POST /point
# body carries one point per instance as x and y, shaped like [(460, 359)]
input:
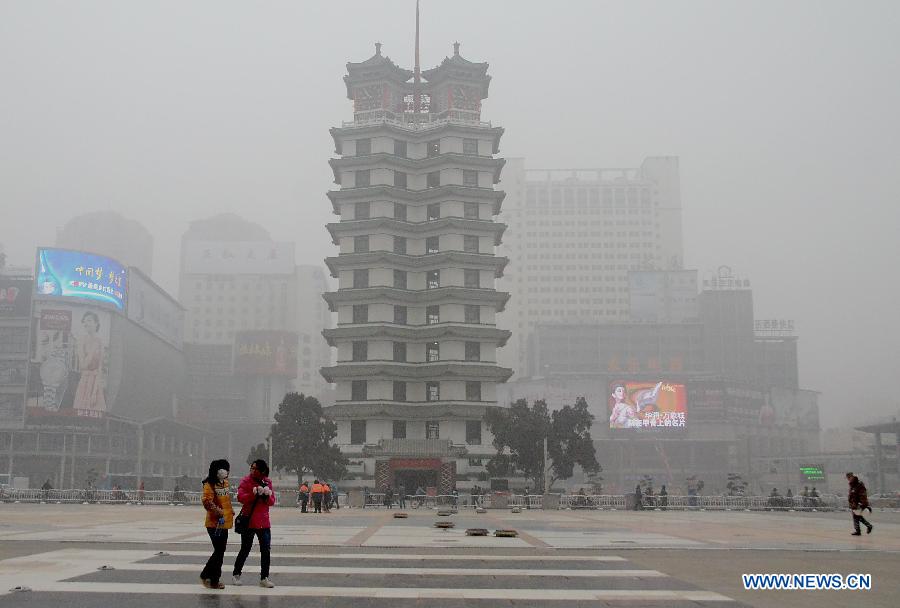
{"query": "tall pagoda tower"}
[(416, 337)]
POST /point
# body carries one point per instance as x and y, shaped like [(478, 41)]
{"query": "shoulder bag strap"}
[(253, 506)]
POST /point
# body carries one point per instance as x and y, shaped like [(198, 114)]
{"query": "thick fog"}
[(784, 116)]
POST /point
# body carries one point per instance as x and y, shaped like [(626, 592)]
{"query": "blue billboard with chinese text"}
[(76, 274)]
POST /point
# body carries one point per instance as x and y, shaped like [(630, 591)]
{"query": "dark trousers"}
[(317, 502), (304, 500), (859, 519), (265, 542), (213, 568)]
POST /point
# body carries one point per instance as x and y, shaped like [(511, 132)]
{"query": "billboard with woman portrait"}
[(69, 359), (647, 405)]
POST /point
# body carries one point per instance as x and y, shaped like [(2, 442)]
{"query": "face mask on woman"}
[(222, 474)]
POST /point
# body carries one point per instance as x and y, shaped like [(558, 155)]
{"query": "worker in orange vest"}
[(303, 497), (317, 491)]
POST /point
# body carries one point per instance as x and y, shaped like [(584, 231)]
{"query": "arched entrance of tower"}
[(433, 475)]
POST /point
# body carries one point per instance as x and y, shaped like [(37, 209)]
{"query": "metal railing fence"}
[(284, 498)]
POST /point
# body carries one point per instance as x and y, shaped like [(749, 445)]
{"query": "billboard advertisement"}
[(646, 405), (69, 359), (76, 274), (267, 353), (15, 297), (793, 407), (154, 310), (238, 257)]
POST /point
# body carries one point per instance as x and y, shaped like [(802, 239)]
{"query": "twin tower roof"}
[(379, 68)]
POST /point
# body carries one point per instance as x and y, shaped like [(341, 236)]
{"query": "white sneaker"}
[(236, 580), (265, 582)]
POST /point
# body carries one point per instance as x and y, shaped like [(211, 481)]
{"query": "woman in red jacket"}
[(255, 492)]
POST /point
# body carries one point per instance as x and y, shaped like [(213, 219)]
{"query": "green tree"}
[(570, 441), (519, 432), (302, 436), (257, 452)]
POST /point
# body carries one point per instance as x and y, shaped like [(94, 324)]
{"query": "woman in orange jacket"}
[(219, 519)]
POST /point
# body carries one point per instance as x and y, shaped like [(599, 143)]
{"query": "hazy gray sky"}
[(784, 115)]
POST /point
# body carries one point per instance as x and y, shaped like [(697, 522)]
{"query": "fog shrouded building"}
[(575, 234), (252, 327), (110, 234), (745, 411), (416, 339), (91, 367), (313, 352)]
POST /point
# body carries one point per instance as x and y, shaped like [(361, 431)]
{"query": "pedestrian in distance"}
[(45, 490), (814, 497), (317, 492), (774, 499), (638, 498), (326, 497), (858, 500), (219, 518), (401, 496), (334, 496), (420, 497), (303, 496), (256, 496)]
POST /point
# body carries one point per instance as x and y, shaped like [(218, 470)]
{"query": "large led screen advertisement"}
[(647, 405), (76, 274), (70, 359)]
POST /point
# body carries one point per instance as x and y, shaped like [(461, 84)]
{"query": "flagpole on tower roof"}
[(417, 96)]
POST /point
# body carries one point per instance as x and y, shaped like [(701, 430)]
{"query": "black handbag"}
[(242, 522)]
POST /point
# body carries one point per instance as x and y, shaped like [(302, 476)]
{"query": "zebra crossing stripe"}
[(411, 571), (417, 557), (661, 595)]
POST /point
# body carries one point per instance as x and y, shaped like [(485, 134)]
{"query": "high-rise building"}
[(417, 336), (575, 234), (109, 233), (16, 286), (253, 322), (253, 328), (235, 278), (313, 352)]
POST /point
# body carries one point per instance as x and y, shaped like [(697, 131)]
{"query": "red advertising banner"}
[(15, 297), (266, 353)]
